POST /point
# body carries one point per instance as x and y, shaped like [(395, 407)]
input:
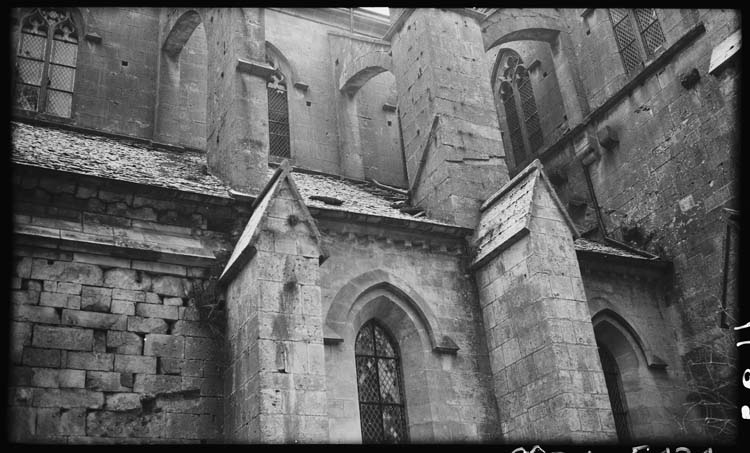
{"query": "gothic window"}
[(638, 35), (278, 116), (519, 103), (46, 49), (381, 396), (616, 395)]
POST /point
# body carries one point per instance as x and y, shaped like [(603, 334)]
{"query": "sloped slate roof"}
[(121, 159), (111, 158), (588, 245)]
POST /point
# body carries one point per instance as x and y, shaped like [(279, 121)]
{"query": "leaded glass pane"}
[(372, 424), (383, 346), (27, 97), (64, 53), (393, 424), (367, 379), (379, 386), (61, 77), (651, 32), (32, 46), (364, 344), (29, 71), (278, 123), (625, 37), (59, 102), (514, 123), (388, 375)]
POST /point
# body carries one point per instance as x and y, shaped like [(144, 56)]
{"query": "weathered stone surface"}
[(31, 313), (97, 361), (104, 381), (25, 297), (60, 300), (156, 311), (41, 357), (62, 271), (56, 422), (164, 346), (150, 383), (122, 401), (94, 320), (191, 329), (124, 424), (68, 398), (122, 307), (169, 286), (24, 427), (127, 279), (146, 325), (63, 338), (135, 364), (190, 426), (126, 294), (54, 378), (96, 299), (124, 343), (202, 348)]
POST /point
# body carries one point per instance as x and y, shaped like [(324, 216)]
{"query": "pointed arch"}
[(353, 296), (180, 32)]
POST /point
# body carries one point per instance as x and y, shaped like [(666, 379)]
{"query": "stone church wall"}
[(106, 346)]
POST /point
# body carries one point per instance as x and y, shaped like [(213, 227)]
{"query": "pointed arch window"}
[(521, 113), (638, 35), (46, 46), (379, 384), (278, 115), (616, 394)]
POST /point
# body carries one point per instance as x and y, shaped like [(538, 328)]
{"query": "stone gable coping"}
[(244, 250)]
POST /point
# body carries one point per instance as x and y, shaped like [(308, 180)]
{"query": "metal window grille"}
[(636, 44), (625, 37), (616, 394), (651, 33), (521, 112), (278, 121), (514, 123), (45, 66), (381, 398), (530, 113)]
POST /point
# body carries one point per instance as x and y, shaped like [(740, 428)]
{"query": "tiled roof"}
[(121, 159), (587, 245)]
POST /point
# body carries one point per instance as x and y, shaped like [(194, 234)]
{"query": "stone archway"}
[(378, 295)]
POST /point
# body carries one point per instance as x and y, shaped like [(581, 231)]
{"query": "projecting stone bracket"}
[(255, 68)]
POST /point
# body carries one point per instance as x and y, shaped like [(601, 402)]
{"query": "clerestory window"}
[(381, 397), (521, 114), (638, 35), (278, 116), (46, 46)]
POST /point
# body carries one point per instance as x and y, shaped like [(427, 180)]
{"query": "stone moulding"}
[(520, 227), (355, 293), (255, 68)]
